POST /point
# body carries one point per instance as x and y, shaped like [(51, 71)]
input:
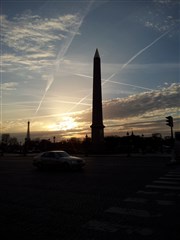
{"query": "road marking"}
[(111, 227), (172, 178), (142, 200), (102, 226), (170, 194), (166, 182), (165, 202), (169, 178), (163, 187), (131, 211), (145, 231), (147, 192), (137, 200), (172, 175)]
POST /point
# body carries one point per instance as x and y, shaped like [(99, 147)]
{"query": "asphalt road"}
[(113, 197)]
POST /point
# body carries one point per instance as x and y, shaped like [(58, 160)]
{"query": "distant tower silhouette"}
[(28, 132), (97, 127)]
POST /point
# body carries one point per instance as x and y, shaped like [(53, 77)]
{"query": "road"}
[(114, 197)]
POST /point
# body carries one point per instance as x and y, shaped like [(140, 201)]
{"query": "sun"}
[(67, 123)]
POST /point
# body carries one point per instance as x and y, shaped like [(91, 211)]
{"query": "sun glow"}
[(67, 123)]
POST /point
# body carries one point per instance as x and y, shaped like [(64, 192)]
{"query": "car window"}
[(45, 154), (62, 154), (51, 155), (48, 155)]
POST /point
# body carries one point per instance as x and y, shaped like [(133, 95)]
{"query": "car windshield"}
[(62, 154)]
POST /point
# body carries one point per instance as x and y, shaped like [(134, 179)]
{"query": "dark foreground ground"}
[(114, 197)]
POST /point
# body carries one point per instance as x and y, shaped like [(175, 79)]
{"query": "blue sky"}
[(47, 50)]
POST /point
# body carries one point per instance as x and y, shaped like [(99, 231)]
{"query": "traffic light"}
[(169, 121)]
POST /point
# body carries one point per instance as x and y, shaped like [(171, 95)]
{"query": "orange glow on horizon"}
[(66, 124)]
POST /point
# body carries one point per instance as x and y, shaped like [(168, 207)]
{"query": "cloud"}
[(28, 33), (161, 16), (31, 41), (144, 113), (144, 105), (11, 62), (9, 86)]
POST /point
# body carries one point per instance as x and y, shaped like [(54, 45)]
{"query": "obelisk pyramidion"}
[(97, 127)]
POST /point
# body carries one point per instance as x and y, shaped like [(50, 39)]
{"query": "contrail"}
[(68, 102), (131, 85), (78, 103), (138, 53), (63, 51), (124, 66), (105, 81), (47, 88), (125, 84), (83, 75)]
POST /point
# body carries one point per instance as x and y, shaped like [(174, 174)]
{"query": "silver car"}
[(58, 159)]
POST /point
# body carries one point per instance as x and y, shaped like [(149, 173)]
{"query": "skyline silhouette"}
[(46, 66)]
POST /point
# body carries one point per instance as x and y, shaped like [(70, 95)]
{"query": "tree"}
[(5, 138)]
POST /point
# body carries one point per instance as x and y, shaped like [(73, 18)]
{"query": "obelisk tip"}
[(96, 55)]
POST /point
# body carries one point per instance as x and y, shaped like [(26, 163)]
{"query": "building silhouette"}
[(97, 127)]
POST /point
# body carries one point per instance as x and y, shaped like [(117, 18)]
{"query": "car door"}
[(59, 158), (47, 158)]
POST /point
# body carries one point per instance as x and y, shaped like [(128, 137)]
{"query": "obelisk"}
[(27, 139), (97, 127), (28, 131)]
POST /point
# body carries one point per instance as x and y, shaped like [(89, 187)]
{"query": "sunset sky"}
[(47, 50)]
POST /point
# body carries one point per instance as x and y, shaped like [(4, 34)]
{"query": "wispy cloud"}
[(158, 18), (31, 33), (32, 39), (9, 86)]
